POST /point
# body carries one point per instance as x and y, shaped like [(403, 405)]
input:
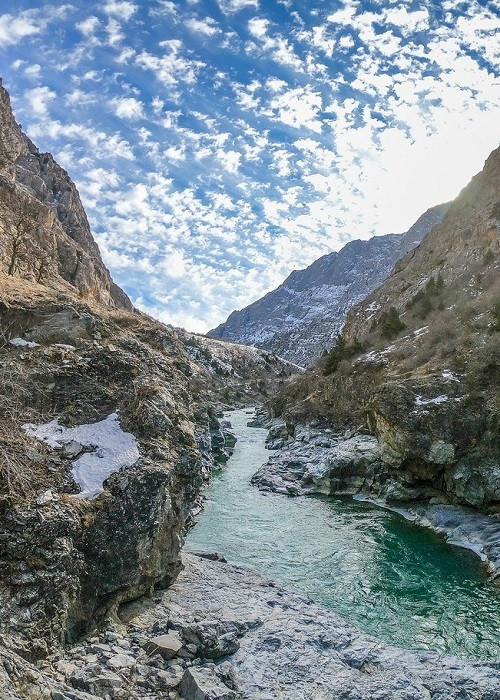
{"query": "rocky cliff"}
[(304, 315), (419, 362), (44, 232), (108, 419)]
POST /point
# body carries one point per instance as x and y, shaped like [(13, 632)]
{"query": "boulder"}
[(167, 645), (317, 463), (204, 684)]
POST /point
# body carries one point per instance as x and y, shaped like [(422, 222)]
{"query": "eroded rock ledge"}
[(224, 633)]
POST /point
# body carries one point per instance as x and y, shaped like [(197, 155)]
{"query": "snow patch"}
[(448, 374), (112, 449), (420, 401), (420, 331), (64, 346), (22, 343)]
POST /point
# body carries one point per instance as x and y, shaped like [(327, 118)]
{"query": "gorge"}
[(97, 599)]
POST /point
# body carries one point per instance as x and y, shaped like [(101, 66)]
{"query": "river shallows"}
[(394, 580)]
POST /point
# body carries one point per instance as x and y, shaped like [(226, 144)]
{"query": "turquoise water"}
[(391, 579)]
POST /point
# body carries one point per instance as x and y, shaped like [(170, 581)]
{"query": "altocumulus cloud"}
[(219, 144)]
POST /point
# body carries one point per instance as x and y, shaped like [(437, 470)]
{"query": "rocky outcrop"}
[(65, 561), (304, 315), (317, 461), (90, 521), (44, 233), (243, 636)]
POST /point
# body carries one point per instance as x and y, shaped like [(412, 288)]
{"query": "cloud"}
[(298, 108), (232, 149), (128, 108), (279, 48), (123, 9), (207, 26), (231, 6), (33, 71), (165, 7), (407, 22), (103, 145), (170, 68), (133, 201), (39, 99), (230, 160), (258, 27), (13, 28), (88, 26)]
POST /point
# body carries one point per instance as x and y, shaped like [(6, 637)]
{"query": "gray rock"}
[(203, 684), (475, 479), (72, 449), (168, 679), (167, 645), (292, 649), (101, 684), (441, 452), (315, 463), (120, 661)]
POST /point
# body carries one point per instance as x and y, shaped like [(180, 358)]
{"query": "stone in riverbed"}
[(203, 684), (167, 645)]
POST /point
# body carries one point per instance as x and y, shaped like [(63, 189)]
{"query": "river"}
[(391, 579)]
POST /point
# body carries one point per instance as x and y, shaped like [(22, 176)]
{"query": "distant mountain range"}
[(304, 315)]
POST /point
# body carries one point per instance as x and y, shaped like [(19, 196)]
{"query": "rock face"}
[(44, 233), (418, 362), (317, 461), (304, 315)]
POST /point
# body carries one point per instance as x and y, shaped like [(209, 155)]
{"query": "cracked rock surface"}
[(274, 643)]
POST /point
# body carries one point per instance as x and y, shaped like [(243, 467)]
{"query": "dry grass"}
[(23, 462), (19, 477)]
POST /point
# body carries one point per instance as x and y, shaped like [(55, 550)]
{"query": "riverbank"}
[(225, 632)]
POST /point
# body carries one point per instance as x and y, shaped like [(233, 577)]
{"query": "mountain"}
[(304, 315), (44, 234), (108, 419), (418, 363)]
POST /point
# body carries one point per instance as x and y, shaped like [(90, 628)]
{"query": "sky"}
[(220, 144)]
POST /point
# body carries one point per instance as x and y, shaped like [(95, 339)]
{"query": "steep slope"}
[(419, 361), (108, 419), (44, 232), (304, 315)]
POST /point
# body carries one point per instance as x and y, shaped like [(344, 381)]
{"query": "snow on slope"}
[(111, 449)]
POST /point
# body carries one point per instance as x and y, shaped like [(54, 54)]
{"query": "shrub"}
[(422, 301), (489, 257), (342, 350), (495, 312), (495, 212), (390, 324)]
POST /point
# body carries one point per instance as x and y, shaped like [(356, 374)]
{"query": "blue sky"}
[(220, 144)]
